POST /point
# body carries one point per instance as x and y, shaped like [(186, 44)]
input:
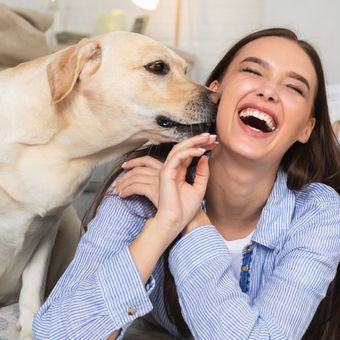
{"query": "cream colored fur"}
[(61, 116)]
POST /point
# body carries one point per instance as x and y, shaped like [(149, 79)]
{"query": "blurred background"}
[(206, 28)]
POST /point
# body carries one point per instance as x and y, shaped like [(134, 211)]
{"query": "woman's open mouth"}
[(258, 121)]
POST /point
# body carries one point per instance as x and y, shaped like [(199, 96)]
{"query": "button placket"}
[(245, 267)]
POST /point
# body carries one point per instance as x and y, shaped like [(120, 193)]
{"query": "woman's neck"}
[(236, 194)]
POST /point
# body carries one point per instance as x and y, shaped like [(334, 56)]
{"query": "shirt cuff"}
[(124, 293), (194, 250)]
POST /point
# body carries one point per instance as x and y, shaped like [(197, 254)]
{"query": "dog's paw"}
[(18, 327), (24, 334), (24, 327)]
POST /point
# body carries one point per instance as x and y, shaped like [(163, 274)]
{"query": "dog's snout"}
[(199, 116), (208, 101)]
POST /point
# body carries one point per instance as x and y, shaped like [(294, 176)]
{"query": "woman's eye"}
[(251, 70), (296, 89), (158, 67)]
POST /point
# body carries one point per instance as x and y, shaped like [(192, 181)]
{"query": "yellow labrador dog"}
[(61, 116)]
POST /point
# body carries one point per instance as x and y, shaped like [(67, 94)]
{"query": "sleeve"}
[(101, 291), (213, 304)]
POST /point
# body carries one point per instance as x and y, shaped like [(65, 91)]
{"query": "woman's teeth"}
[(257, 120)]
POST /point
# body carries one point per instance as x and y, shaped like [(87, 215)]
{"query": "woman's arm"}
[(101, 291), (213, 304), (165, 185)]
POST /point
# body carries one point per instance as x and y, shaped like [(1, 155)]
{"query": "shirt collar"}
[(277, 214)]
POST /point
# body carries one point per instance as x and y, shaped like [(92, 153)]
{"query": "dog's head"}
[(131, 83)]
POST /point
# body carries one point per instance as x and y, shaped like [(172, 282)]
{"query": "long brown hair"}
[(316, 161)]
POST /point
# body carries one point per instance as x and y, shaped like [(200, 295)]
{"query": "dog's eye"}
[(157, 67)]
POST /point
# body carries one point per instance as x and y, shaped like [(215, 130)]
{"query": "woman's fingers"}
[(203, 140), (144, 173), (145, 161), (142, 178), (179, 200), (180, 159), (201, 175), (139, 181), (148, 190), (139, 171), (141, 175)]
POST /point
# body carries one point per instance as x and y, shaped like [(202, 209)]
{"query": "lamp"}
[(177, 23), (146, 4), (152, 5)]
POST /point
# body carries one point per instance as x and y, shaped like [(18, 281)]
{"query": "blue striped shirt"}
[(296, 250)]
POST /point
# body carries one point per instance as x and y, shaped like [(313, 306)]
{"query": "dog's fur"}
[(61, 116)]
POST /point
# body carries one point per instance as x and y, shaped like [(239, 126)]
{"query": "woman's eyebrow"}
[(255, 60), (291, 74)]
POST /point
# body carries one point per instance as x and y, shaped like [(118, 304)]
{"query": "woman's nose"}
[(268, 92)]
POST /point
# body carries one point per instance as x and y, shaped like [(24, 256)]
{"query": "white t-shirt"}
[(235, 248)]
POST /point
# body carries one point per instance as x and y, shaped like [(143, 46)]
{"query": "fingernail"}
[(205, 134), (123, 164), (202, 150)]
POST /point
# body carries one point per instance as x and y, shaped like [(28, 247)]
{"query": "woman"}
[(255, 259)]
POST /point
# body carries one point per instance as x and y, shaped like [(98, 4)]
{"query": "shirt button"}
[(132, 311), (248, 249), (245, 268)]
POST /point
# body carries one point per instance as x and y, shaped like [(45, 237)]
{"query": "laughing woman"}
[(246, 252)]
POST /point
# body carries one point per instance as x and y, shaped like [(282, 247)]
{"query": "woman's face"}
[(267, 97)]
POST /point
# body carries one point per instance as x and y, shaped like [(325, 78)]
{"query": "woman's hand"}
[(179, 200), (142, 178), (164, 184)]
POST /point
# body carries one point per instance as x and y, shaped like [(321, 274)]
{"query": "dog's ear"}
[(73, 63)]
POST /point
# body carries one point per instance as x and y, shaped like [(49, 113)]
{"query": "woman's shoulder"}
[(317, 194), (317, 207), (312, 219)]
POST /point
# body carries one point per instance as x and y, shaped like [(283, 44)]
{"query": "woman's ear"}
[(307, 131), (214, 85), (215, 96)]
